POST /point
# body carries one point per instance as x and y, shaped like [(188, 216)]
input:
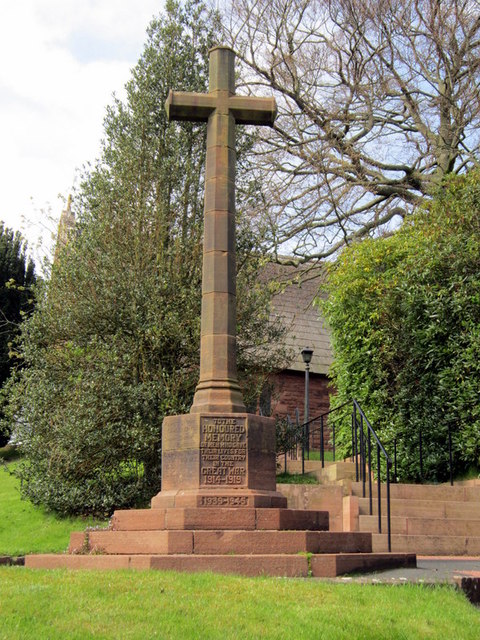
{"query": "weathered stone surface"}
[(325, 565), (78, 542), (58, 561), (293, 519), (239, 531), (211, 518), (430, 545), (138, 520), (335, 564), (218, 388), (318, 498), (291, 566), (272, 542), (208, 459), (140, 542), (244, 498), (271, 565)]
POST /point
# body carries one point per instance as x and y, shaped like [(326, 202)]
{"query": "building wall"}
[(289, 393)]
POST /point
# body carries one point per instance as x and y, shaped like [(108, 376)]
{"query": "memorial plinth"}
[(212, 460)]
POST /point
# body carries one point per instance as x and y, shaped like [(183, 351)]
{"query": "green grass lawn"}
[(315, 455), (122, 604), (25, 528), (152, 604), (296, 478)]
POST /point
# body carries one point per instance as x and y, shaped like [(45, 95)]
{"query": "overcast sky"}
[(61, 60)]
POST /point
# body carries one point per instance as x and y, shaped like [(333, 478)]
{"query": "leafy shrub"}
[(405, 317)]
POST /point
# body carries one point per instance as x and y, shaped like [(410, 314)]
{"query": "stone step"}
[(331, 472), (219, 518), (473, 482), (131, 542), (431, 492), (247, 565), (336, 564), (430, 545), (423, 526), (219, 542), (295, 466), (327, 565), (424, 508), (343, 470), (317, 497)]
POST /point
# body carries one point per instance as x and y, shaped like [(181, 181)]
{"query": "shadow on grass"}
[(296, 478), (9, 453)]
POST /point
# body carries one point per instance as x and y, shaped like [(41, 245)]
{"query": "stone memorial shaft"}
[(218, 455), (218, 388)]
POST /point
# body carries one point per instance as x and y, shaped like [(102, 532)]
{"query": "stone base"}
[(220, 519), (220, 542), (219, 510), (207, 498), (248, 541), (286, 565)]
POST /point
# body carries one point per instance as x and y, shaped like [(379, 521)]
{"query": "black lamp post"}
[(307, 354)]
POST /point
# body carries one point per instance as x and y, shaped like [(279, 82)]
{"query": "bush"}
[(405, 318)]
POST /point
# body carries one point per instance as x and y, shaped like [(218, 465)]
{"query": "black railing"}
[(301, 437), (422, 447), (366, 464)]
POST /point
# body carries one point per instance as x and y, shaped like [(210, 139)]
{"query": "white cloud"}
[(62, 60)]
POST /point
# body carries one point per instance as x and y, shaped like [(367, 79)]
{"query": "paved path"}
[(430, 569)]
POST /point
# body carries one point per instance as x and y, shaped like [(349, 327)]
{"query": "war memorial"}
[(219, 508)]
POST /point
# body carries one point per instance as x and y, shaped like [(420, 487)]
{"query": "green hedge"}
[(404, 311)]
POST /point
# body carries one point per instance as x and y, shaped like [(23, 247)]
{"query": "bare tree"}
[(378, 102)]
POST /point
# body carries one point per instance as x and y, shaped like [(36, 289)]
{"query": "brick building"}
[(305, 328)]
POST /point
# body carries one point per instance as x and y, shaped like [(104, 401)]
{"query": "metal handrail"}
[(421, 446), (299, 433), (362, 435)]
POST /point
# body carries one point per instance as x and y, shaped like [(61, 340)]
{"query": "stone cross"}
[(218, 390)]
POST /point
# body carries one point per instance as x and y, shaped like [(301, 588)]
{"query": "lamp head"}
[(307, 355)]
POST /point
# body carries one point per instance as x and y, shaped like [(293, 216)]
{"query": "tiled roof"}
[(294, 304)]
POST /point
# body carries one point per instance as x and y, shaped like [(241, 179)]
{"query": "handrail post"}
[(303, 451), (420, 448), (322, 452), (302, 436), (370, 471), (379, 492), (353, 439), (395, 479), (287, 447), (389, 524), (297, 434), (362, 455), (450, 455), (333, 435), (355, 452)]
